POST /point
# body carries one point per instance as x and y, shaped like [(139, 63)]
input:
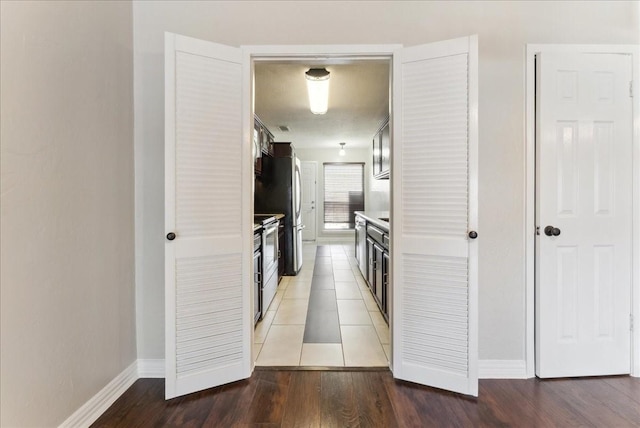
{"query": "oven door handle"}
[(270, 229)]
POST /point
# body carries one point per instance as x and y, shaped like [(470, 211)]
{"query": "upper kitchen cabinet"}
[(265, 137), (262, 144), (381, 152)]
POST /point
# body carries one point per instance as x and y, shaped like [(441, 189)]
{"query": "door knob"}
[(473, 234), (171, 236), (551, 231)]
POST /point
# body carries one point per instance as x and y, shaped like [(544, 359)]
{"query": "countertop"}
[(278, 216), (374, 217), (257, 226)]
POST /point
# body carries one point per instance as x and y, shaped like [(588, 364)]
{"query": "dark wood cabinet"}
[(376, 164), (262, 144), (385, 285), (371, 272), (376, 273), (257, 151), (381, 162), (377, 266), (385, 151)]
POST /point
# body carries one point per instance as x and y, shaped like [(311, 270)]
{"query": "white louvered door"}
[(207, 336), (435, 297)]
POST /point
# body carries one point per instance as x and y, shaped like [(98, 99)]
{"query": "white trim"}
[(90, 411), (529, 202), (502, 369), (320, 52), (151, 368)]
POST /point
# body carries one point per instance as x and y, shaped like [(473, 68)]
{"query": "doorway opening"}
[(324, 312)]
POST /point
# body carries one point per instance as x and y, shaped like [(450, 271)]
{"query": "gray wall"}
[(67, 251), (503, 29)]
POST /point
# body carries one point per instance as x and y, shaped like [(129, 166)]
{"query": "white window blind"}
[(343, 194)]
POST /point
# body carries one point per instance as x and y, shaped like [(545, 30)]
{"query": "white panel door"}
[(207, 325), (583, 210), (309, 174), (434, 215)]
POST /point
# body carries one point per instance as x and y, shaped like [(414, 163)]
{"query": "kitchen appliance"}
[(257, 276), (269, 256), (279, 190)]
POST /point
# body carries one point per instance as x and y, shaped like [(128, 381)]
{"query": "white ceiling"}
[(358, 102)]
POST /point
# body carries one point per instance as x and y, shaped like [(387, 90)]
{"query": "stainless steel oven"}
[(257, 276), (270, 247), (361, 245), (269, 260)]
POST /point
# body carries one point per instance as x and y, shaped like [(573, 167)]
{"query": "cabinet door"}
[(375, 165), (264, 140), (257, 151), (385, 285), (377, 265), (371, 274), (385, 151)]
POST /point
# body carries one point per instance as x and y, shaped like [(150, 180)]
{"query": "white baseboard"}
[(502, 369), (151, 368), (99, 403)]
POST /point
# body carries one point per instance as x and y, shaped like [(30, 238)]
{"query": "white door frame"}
[(529, 207), (315, 206), (303, 53)]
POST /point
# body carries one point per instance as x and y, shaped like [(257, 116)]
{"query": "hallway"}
[(325, 316)]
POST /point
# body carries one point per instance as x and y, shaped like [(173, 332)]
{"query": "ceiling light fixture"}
[(342, 152), (318, 88)]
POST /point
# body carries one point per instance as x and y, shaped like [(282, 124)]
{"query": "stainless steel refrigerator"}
[(279, 190)]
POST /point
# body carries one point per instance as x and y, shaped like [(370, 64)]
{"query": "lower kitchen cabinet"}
[(385, 285), (371, 271), (378, 289), (372, 254)]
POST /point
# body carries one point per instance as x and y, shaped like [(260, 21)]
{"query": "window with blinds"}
[(343, 194)]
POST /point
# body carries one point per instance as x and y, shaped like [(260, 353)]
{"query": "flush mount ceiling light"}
[(342, 152), (318, 88)]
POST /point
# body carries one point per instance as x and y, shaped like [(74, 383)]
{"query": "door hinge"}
[(631, 88)]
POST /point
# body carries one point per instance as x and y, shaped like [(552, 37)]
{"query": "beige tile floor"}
[(365, 334)]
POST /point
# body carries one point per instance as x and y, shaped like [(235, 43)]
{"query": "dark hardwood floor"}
[(281, 398)]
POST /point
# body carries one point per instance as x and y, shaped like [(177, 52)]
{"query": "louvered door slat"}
[(206, 332), (433, 274)]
